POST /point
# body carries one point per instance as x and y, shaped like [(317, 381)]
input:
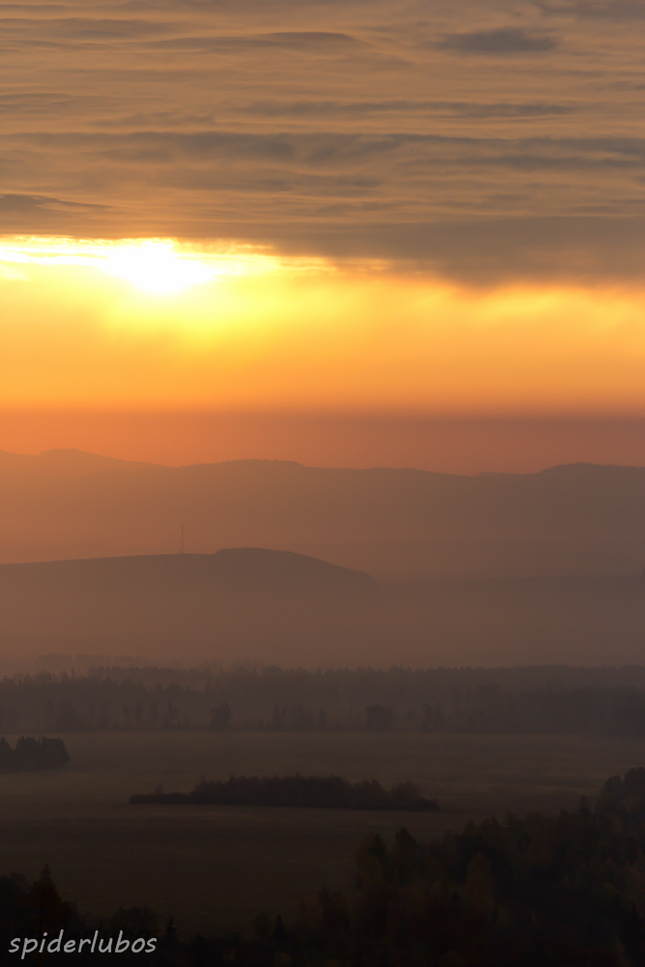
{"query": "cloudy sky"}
[(429, 207)]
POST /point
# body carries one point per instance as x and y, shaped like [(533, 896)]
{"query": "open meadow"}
[(218, 866)]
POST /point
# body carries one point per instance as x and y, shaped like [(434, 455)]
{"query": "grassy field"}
[(212, 866)]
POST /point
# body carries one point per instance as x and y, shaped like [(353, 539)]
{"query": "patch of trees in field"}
[(31, 755), (499, 700), (322, 792), (565, 890)]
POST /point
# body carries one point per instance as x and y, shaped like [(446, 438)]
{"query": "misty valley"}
[(207, 880), (156, 827), (411, 732)]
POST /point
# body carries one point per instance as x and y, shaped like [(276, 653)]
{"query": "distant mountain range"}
[(580, 519)]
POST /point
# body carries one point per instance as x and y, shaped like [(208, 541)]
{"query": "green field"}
[(212, 866)]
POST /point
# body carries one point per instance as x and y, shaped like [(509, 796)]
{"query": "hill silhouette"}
[(66, 464), (179, 604), (396, 524), (284, 608)]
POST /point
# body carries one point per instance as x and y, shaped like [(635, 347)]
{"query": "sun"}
[(155, 267)]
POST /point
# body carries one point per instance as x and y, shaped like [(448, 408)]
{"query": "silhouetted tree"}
[(221, 717), (379, 718), (32, 754)]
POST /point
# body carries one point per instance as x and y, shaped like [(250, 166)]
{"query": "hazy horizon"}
[(442, 445), (484, 569), (54, 453)]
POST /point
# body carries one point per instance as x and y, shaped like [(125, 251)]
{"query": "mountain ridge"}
[(284, 608), (73, 453), (389, 522)]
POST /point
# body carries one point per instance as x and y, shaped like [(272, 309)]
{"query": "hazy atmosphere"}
[(322, 483)]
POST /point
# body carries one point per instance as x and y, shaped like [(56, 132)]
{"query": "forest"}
[(329, 792), (531, 699), (565, 890), (32, 754)]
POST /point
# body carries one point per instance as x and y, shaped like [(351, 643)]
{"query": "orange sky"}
[(254, 332), (321, 212), (451, 445), (125, 328)]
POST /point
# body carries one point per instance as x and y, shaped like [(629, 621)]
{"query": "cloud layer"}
[(479, 141)]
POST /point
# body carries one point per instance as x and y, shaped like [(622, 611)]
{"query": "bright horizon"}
[(155, 324), (409, 236), (443, 445)]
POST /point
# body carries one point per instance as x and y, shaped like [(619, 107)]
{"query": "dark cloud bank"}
[(507, 40)]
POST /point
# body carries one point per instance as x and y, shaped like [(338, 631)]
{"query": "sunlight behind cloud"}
[(156, 266), (198, 326)]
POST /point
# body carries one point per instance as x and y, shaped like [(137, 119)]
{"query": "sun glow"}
[(226, 325), (156, 266)]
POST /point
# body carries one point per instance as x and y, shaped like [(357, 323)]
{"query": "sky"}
[(350, 233)]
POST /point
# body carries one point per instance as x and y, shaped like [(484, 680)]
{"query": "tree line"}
[(30, 755), (322, 792), (501, 700)]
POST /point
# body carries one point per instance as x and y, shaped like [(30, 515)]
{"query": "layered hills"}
[(310, 566), (395, 524)]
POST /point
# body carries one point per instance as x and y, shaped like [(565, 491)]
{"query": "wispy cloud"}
[(598, 9), (316, 41), (299, 121), (30, 203), (506, 40), (466, 109)]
